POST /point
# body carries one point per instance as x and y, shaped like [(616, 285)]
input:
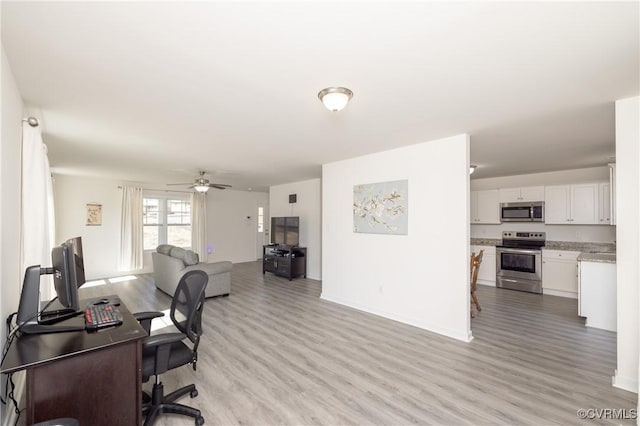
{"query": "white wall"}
[(10, 175), (563, 177), (231, 235), (309, 208), (628, 238), (100, 244), (421, 278), (586, 233)]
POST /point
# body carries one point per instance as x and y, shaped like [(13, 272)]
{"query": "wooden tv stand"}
[(285, 261)]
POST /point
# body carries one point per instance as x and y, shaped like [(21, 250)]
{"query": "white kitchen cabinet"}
[(604, 204), (484, 207), (487, 271), (572, 204), (597, 301), (560, 273), (524, 194), (612, 193)]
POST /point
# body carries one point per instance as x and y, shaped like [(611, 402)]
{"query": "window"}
[(260, 219), (166, 221)]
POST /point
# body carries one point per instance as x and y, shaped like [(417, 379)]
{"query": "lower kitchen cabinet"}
[(597, 302), (487, 271), (560, 273)]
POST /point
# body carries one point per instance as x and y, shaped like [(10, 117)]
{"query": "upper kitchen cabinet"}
[(572, 204), (527, 193), (604, 204), (484, 207)]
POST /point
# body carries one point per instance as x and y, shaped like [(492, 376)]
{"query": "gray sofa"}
[(170, 263)]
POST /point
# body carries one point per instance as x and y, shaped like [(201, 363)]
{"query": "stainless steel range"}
[(519, 261)]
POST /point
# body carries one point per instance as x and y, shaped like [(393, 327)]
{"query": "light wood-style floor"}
[(274, 353)]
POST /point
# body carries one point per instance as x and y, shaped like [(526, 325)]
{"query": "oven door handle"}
[(519, 251)]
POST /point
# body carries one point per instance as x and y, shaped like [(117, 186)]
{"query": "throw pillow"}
[(190, 258), (164, 249)]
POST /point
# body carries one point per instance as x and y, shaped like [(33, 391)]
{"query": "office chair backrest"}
[(188, 303)]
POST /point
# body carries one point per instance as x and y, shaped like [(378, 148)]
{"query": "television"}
[(285, 231), (68, 274)]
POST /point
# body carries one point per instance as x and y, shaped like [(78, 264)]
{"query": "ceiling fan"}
[(202, 184)]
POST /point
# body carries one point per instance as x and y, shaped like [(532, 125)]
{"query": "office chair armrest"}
[(162, 344), (144, 318), (162, 339)]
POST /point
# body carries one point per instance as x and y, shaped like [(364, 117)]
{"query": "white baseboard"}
[(560, 293), (487, 283), (627, 383), (435, 328), (19, 379)]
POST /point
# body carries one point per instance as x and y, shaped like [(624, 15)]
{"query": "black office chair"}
[(167, 351)]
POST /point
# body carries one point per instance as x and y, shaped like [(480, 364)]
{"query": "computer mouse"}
[(101, 302)]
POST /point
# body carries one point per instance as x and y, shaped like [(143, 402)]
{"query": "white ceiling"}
[(155, 91)]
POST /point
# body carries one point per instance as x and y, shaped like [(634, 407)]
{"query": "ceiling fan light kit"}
[(335, 98), (202, 185)]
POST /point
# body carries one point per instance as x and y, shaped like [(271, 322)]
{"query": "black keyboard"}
[(100, 316)]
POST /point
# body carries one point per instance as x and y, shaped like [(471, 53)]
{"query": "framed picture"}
[(381, 208), (94, 214)]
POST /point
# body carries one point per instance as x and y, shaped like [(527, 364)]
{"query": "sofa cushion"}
[(216, 267), (188, 257), (164, 249)]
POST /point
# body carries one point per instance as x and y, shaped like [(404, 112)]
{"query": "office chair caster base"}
[(194, 393), (199, 421)]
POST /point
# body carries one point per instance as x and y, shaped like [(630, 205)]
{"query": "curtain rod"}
[(33, 122), (161, 190)]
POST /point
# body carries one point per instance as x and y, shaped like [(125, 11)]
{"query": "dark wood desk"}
[(93, 377)]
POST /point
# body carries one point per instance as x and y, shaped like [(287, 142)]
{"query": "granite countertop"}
[(597, 257), (581, 246), (486, 241)]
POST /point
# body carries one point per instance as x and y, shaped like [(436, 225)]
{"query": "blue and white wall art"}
[(381, 208)]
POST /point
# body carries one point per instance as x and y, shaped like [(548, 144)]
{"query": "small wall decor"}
[(94, 214), (381, 208)]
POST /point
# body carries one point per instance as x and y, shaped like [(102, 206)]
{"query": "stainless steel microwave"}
[(522, 212)]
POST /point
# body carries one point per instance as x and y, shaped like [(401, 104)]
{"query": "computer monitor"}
[(78, 259), (66, 273), (65, 276)]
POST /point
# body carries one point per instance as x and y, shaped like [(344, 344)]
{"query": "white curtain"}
[(199, 224), (37, 210), (131, 230)]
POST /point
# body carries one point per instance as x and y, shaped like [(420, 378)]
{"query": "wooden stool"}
[(475, 267)]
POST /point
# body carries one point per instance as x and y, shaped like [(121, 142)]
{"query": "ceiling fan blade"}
[(186, 183), (219, 185)]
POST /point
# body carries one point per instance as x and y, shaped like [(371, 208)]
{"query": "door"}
[(262, 231)]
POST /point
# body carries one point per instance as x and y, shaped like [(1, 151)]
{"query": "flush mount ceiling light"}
[(472, 168), (335, 98)]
